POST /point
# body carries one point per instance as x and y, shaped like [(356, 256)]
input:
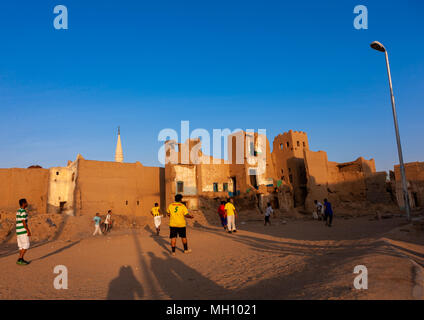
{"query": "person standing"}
[(97, 221), (222, 214), (108, 221), (177, 212), (22, 231), (230, 211), (328, 213), (157, 217), (268, 212), (319, 209)]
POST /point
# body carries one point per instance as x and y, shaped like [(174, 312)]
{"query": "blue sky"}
[(147, 65)]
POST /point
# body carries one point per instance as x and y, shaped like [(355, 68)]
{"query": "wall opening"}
[(215, 187), (180, 186)]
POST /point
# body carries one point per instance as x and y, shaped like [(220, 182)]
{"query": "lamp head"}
[(378, 46)]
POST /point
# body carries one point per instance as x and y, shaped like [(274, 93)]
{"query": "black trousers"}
[(329, 217)]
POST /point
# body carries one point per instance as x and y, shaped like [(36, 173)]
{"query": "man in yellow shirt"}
[(230, 210), (157, 217), (177, 212)]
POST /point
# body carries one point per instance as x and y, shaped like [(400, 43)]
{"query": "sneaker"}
[(234, 231), (187, 251), (22, 262), (229, 232)]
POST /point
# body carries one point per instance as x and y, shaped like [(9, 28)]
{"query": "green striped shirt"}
[(21, 216)]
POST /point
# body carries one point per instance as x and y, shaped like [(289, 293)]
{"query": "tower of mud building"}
[(289, 163)]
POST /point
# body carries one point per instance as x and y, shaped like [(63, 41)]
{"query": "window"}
[(138, 202), (225, 187), (291, 178), (288, 144), (180, 187), (298, 144), (252, 149), (304, 144), (282, 146), (215, 187), (282, 171), (126, 202), (57, 173)]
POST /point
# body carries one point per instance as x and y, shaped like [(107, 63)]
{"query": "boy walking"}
[(328, 212), (22, 231), (157, 217), (230, 211), (222, 215), (268, 212), (97, 221), (108, 221), (177, 212)]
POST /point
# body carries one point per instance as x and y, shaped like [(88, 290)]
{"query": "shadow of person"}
[(179, 281), (125, 286), (160, 240)]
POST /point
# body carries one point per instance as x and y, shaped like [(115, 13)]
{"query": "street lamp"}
[(379, 47)]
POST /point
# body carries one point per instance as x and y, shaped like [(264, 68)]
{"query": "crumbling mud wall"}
[(31, 184), (344, 183), (289, 164), (415, 180)]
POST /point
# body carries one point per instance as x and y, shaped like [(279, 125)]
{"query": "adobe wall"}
[(415, 179), (244, 159), (126, 188), (62, 183), (289, 164), (354, 181), (208, 174), (31, 184)]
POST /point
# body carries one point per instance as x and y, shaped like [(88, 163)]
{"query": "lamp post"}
[(379, 47)]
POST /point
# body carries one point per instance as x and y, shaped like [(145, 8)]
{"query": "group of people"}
[(177, 213), (323, 212), (227, 213), (98, 221)]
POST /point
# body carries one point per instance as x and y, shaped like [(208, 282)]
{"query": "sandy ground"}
[(297, 260)]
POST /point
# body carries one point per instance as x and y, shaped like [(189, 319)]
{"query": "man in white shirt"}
[(268, 212), (108, 221), (319, 210)]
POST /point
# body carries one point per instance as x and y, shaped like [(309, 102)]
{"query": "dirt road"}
[(297, 260)]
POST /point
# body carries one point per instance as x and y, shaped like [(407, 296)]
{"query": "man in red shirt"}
[(223, 215)]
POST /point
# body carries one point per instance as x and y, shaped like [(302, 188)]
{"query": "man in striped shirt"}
[(22, 231)]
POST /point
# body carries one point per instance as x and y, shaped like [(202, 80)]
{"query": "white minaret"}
[(119, 155)]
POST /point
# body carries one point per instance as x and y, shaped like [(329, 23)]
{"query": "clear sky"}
[(147, 65)]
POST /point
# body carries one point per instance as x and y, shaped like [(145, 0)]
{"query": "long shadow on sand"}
[(160, 240), (57, 251)]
